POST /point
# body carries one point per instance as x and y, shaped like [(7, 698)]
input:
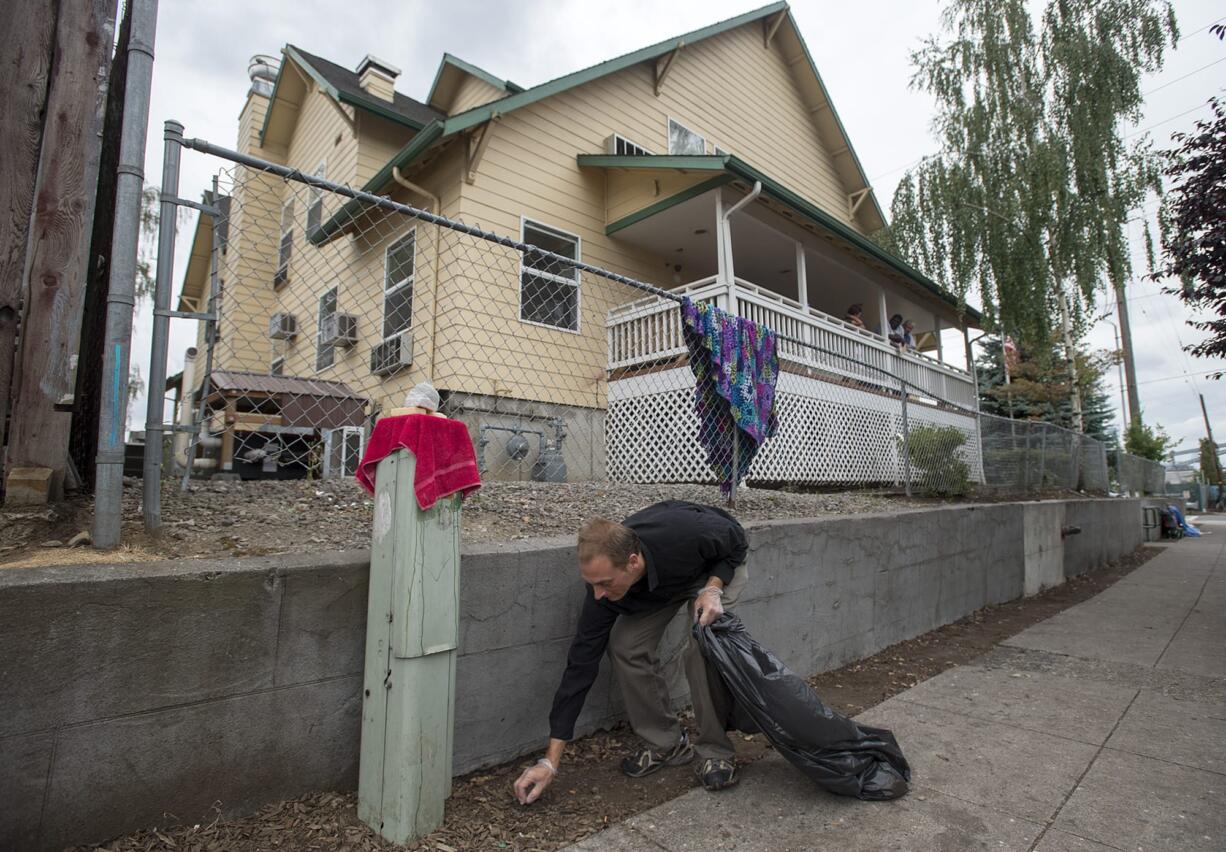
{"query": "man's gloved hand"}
[(533, 781), (709, 605)]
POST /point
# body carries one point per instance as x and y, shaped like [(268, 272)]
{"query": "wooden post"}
[(412, 630), (25, 64), (57, 251)]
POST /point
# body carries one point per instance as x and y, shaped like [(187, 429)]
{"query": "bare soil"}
[(590, 793)]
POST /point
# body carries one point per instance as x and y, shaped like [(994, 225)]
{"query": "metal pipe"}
[(210, 337), (154, 426), (121, 283), (726, 236), (906, 442)]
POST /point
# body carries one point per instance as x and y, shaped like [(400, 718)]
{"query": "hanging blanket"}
[(446, 462), (735, 366)]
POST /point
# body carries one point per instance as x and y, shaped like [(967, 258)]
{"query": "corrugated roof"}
[(226, 380), (348, 89)]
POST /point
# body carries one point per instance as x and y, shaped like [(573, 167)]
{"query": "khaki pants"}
[(634, 650)]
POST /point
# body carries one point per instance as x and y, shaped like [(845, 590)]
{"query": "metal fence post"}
[(121, 285), (155, 414), (906, 441)]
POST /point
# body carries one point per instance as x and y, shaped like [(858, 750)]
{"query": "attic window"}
[(684, 142), (620, 146)]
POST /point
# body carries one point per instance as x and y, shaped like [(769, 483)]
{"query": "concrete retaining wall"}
[(132, 691)]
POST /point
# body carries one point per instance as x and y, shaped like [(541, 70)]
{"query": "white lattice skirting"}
[(828, 432)]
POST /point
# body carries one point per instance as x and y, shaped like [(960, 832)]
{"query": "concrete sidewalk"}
[(1103, 727)]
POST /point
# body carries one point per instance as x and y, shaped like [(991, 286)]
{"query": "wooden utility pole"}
[(56, 250), (1130, 367), (25, 67)]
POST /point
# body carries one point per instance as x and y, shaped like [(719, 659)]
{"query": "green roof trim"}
[(682, 163), (380, 110), (737, 168), (672, 201), (473, 70), (410, 152)]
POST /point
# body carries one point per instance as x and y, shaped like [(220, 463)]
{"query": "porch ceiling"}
[(673, 215)]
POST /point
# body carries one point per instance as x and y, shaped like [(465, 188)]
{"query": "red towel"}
[(446, 462)]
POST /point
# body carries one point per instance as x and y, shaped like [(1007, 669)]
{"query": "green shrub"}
[(933, 452)]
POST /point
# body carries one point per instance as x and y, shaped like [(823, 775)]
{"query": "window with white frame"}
[(315, 206), (683, 141), (343, 448), (548, 287), (277, 367), (287, 243), (325, 353), (398, 265), (718, 151)]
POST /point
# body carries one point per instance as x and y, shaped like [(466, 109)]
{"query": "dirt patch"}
[(591, 793)]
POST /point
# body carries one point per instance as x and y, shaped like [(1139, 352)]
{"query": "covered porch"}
[(730, 235)]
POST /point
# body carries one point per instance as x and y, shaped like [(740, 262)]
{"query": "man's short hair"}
[(602, 537)]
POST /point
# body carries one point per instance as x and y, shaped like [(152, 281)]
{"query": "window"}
[(343, 450), (719, 152), (277, 367), (682, 140), (398, 264), (287, 243), (620, 146), (549, 288), (315, 206), (325, 353)]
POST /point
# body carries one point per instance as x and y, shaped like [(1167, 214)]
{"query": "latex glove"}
[(533, 781), (708, 606)]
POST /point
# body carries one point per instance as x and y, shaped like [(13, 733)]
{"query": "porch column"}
[(885, 316), (802, 278), (940, 347), (723, 262)]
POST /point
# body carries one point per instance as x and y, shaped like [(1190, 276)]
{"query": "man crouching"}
[(640, 573)]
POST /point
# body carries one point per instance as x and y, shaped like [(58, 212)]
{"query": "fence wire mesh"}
[(329, 309)]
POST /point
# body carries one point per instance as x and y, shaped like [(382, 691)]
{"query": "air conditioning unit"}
[(393, 354), (339, 330), (282, 327)]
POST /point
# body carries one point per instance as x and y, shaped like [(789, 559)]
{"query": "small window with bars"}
[(286, 249), (549, 288), (620, 146)]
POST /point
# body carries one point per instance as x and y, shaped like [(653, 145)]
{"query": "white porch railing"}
[(649, 330)]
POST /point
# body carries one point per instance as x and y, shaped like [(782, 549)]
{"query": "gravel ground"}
[(263, 517)]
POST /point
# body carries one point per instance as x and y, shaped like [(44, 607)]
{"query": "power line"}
[(1167, 120), (1184, 77), (1201, 30)]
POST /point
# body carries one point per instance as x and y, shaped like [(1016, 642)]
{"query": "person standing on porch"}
[(639, 574)]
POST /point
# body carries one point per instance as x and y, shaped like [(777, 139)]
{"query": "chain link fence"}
[(317, 308)]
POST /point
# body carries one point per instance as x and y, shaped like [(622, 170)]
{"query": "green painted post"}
[(412, 630)]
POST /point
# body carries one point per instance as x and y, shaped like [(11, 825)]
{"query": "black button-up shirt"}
[(684, 544)]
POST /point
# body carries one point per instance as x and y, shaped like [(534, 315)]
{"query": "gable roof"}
[(343, 86), (729, 167), (452, 67), (851, 170)]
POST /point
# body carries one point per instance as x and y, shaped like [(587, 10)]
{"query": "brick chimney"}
[(378, 77)]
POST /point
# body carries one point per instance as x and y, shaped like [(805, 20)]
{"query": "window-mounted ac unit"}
[(393, 354), (282, 327), (340, 330)]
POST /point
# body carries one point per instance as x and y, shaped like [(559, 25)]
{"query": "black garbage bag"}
[(838, 754)]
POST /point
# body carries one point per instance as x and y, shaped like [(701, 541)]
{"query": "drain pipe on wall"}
[(437, 210)]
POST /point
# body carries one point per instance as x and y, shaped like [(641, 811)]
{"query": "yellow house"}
[(712, 164)]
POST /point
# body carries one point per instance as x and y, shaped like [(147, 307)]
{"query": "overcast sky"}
[(861, 50)]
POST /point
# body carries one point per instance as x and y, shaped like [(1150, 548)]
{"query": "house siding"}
[(473, 92)]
